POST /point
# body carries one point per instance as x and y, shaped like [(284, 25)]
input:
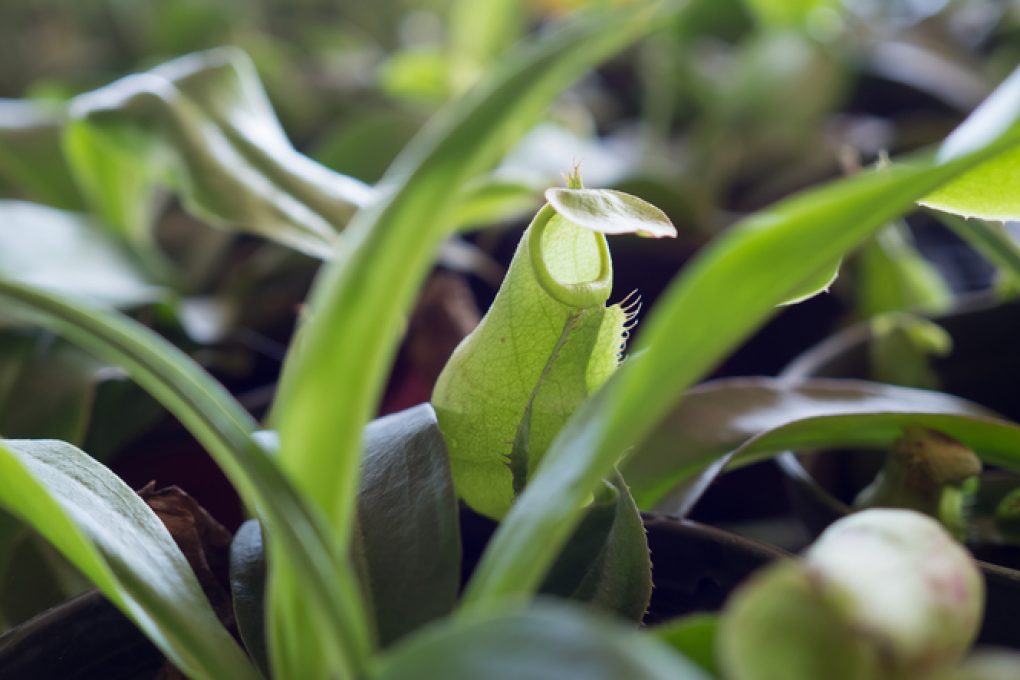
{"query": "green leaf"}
[(298, 539), (606, 562), (69, 253), (408, 521), (112, 536), (694, 636), (989, 190), (248, 590), (730, 289), (203, 125), (546, 343), (819, 283), (753, 417), (358, 303), (544, 642), (31, 156)]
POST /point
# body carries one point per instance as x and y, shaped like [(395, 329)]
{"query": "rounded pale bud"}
[(906, 584), (881, 595)]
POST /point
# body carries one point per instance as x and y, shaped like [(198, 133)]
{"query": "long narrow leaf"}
[(716, 303), (758, 416), (108, 532), (225, 429)]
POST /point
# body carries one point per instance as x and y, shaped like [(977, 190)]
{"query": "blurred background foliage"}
[(737, 105)]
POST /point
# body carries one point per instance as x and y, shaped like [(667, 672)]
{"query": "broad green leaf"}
[(248, 590), (113, 537), (408, 523), (820, 283), (730, 289), (694, 636), (358, 303), (605, 562), (69, 253), (203, 125), (989, 190), (547, 342), (31, 157), (892, 276), (225, 429), (757, 416), (543, 642)]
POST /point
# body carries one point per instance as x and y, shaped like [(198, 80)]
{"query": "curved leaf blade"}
[(753, 417), (544, 642), (111, 535), (606, 562), (203, 124), (408, 521), (225, 429), (248, 589)]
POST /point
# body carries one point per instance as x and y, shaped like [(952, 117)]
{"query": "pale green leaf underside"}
[(203, 125), (990, 190), (69, 253), (610, 212), (512, 383), (113, 537)]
